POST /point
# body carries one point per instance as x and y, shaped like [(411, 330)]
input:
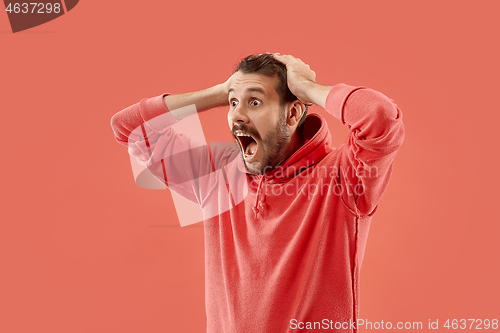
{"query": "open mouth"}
[(248, 145)]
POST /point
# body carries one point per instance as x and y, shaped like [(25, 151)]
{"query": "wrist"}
[(220, 94), (308, 91), (317, 93)]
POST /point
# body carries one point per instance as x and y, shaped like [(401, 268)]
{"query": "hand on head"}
[(299, 76)]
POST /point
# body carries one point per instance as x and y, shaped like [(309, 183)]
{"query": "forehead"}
[(242, 83)]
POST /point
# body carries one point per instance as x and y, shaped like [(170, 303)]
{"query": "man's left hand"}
[(299, 76), (301, 81)]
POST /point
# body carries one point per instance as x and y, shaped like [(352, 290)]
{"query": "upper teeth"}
[(241, 134)]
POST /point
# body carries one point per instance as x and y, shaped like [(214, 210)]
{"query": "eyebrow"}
[(248, 90)]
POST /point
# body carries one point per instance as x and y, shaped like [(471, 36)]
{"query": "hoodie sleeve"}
[(173, 158), (366, 157)]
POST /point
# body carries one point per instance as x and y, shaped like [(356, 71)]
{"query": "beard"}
[(273, 145)]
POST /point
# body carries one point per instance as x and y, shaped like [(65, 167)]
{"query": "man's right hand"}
[(225, 88), (203, 99)]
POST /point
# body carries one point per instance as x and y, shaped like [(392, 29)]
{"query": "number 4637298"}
[(477, 324), (33, 8)]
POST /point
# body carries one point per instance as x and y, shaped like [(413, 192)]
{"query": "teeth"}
[(240, 134)]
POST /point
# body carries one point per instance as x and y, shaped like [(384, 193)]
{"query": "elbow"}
[(395, 123), (387, 121), (384, 109), (124, 122), (118, 130), (400, 135)]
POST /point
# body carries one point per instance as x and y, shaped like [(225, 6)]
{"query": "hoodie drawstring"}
[(256, 206)]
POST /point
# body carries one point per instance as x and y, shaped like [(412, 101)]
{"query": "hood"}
[(317, 145)]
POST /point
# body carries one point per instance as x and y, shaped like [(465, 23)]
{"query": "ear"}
[(295, 110)]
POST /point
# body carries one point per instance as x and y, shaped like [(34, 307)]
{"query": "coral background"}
[(84, 249)]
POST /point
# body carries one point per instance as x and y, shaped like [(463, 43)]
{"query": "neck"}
[(296, 141)]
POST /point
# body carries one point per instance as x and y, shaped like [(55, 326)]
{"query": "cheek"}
[(265, 127)]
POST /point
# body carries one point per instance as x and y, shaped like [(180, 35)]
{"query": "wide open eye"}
[(233, 102), (255, 102)]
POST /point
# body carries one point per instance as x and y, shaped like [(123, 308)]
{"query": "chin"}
[(253, 167)]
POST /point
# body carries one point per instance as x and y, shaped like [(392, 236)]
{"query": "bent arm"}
[(376, 128), (366, 157), (316, 93), (173, 158), (203, 100), (131, 118)]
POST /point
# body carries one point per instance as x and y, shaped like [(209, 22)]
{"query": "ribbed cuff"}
[(336, 99), (153, 107), (155, 113)]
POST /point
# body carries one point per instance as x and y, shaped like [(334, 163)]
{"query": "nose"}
[(238, 114)]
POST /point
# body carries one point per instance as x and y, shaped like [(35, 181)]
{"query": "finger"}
[(302, 61), (281, 58), (288, 59)]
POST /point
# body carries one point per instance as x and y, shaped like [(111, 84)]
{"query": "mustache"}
[(245, 129)]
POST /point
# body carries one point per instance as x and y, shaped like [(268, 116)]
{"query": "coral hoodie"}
[(285, 254)]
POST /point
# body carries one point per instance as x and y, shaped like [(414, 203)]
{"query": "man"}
[(287, 257)]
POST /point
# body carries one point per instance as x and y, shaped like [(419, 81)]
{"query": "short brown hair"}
[(266, 64)]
